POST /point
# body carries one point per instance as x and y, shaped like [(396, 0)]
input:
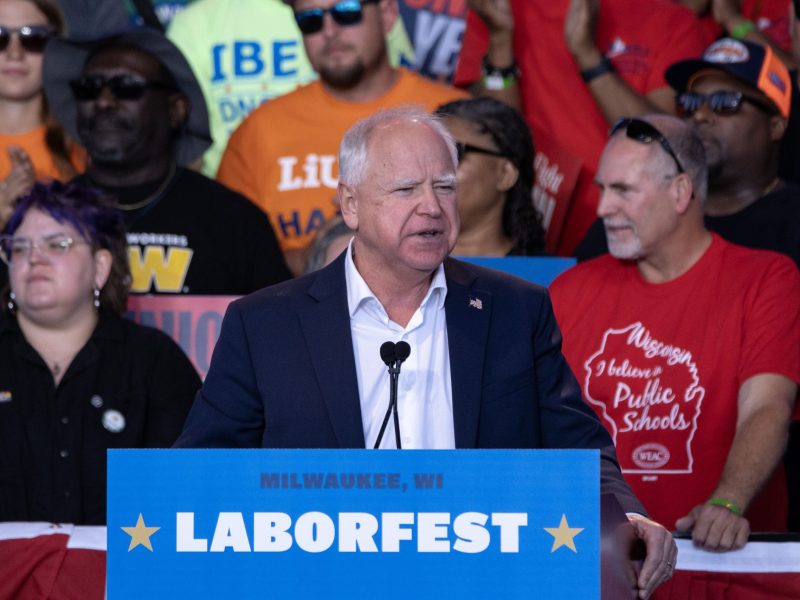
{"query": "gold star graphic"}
[(563, 535), (140, 535)]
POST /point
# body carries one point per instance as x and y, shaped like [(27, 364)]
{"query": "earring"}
[(12, 305), (96, 298)]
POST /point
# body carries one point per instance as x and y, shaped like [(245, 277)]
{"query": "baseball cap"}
[(749, 62)]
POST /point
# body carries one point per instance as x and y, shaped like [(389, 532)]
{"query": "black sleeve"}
[(266, 265), (594, 242), (172, 384), (789, 168)]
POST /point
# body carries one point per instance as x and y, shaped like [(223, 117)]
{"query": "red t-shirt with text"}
[(662, 365)]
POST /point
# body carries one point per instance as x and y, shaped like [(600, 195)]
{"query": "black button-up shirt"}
[(129, 387)]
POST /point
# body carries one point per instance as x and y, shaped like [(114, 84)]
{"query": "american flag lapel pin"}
[(476, 303)]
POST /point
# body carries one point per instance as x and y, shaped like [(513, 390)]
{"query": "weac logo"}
[(651, 456)]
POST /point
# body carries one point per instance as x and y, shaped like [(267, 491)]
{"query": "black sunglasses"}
[(346, 12), (464, 149), (721, 102), (32, 38), (123, 87), (642, 131)]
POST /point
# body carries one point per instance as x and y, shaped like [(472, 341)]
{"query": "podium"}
[(341, 523)]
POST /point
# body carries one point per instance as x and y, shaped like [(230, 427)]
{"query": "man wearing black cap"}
[(748, 203), (133, 102), (739, 96)]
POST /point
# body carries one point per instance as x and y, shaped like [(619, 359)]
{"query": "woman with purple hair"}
[(76, 377)]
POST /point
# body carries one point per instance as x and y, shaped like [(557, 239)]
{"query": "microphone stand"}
[(394, 376), (393, 355)]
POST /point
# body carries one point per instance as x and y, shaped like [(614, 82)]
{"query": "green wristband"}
[(742, 29), (726, 504)]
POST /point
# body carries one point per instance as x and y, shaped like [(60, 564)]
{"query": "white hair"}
[(353, 149)]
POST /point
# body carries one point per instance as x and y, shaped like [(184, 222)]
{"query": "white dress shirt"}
[(424, 393)]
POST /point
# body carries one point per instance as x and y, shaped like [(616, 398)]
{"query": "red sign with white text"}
[(194, 322)]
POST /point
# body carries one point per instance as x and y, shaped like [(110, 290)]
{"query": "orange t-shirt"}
[(33, 143), (284, 156)]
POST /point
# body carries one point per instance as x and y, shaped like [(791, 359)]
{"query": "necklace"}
[(55, 370), (771, 186), (152, 197)]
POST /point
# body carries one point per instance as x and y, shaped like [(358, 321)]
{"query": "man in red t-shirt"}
[(580, 68), (687, 346)]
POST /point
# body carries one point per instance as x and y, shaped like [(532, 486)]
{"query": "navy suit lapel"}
[(326, 327), (468, 313)]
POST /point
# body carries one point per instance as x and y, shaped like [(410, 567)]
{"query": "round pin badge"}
[(96, 401), (113, 421)]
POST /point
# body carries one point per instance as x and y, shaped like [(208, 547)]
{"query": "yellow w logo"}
[(165, 273)]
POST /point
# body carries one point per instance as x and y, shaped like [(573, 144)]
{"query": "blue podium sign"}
[(335, 523)]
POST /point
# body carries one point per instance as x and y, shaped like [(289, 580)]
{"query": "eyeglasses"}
[(721, 102), (642, 131), (346, 12), (464, 149), (123, 87), (32, 38), (15, 250)]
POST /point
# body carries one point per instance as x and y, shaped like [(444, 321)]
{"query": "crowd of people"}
[(289, 146)]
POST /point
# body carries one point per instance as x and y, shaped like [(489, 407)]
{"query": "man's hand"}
[(715, 528), (496, 14), (662, 554), (727, 13), (580, 27), (499, 20)]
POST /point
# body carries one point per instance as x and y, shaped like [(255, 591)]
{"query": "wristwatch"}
[(603, 67), (496, 79)]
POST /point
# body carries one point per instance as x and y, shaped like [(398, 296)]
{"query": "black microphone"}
[(393, 356), (402, 351), (388, 352)]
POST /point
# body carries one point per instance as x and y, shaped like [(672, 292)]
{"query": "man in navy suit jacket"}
[(286, 371)]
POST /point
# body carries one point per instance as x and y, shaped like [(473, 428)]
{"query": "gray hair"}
[(353, 149), (321, 243), (685, 141)]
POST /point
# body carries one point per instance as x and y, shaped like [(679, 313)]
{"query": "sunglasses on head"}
[(642, 131), (123, 87), (721, 103), (346, 12), (32, 38)]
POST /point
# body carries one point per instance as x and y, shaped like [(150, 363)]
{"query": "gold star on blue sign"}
[(140, 535), (563, 535)]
